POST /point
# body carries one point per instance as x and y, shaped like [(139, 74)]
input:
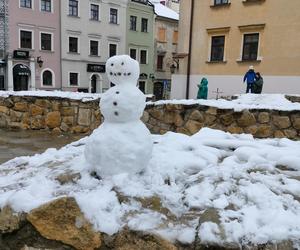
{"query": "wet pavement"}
[(14, 143)]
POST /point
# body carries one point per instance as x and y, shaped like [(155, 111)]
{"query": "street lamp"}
[(174, 66), (39, 61)]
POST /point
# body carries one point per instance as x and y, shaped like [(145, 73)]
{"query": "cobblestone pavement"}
[(14, 143)]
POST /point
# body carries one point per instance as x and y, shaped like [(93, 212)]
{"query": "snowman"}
[(122, 144)]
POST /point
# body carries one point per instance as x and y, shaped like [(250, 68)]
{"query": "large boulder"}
[(62, 220)]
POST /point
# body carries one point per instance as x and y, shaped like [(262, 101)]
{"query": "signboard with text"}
[(21, 54), (99, 68)]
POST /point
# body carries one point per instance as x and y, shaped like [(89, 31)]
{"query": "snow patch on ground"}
[(253, 185)]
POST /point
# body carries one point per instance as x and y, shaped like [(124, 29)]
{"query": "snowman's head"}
[(122, 69)]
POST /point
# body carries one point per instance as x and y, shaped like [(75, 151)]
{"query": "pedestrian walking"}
[(258, 84), (203, 89), (249, 78)]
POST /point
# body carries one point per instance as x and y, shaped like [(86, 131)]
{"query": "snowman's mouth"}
[(119, 73)]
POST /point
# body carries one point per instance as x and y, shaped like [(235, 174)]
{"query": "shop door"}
[(20, 83), (158, 90)]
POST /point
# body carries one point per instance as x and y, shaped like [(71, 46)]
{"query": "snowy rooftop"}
[(252, 186), (163, 11)]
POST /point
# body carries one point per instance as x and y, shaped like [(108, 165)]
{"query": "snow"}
[(54, 93), (122, 144), (244, 101), (163, 11), (238, 176)]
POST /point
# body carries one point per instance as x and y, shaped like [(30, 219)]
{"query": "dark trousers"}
[(249, 88)]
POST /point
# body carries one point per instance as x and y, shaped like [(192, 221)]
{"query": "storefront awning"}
[(21, 70)]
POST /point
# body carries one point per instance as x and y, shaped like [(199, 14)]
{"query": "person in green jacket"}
[(203, 89), (258, 84)]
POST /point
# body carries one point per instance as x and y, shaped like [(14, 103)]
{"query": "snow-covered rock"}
[(226, 189)]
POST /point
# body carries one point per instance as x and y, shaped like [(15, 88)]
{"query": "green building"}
[(140, 40)]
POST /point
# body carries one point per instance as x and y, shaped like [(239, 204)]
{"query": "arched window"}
[(47, 78)]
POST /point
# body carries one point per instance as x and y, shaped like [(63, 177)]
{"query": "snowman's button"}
[(115, 103), (116, 113), (117, 92)]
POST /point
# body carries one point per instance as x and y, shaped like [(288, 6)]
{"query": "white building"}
[(91, 32)]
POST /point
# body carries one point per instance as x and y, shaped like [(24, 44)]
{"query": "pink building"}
[(34, 45)]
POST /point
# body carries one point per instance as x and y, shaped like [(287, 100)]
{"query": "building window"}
[(73, 44), (2, 83), (250, 46), (217, 48), (220, 2), (113, 16), (26, 4), (112, 49), (94, 48), (46, 5), (162, 35), (175, 37), (142, 86), (47, 78), (160, 62), (46, 41), (133, 53), (144, 24), (26, 39), (73, 8), (95, 12), (143, 57), (73, 79), (133, 23)]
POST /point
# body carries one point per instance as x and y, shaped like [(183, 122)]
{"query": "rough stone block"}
[(36, 110), (84, 117), (281, 122), (21, 106), (53, 119), (247, 119)]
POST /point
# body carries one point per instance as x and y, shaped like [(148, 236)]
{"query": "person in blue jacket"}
[(250, 79)]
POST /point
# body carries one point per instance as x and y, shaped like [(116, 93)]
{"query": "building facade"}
[(225, 37), (172, 4), (92, 31), (3, 42), (34, 45), (166, 40), (140, 40)]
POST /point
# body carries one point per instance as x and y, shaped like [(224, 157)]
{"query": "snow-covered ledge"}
[(261, 115)]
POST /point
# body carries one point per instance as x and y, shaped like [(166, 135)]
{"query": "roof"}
[(163, 11)]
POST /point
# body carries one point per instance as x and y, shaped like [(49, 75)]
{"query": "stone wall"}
[(76, 116), (189, 119), (57, 114)]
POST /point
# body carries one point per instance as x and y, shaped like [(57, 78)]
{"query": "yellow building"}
[(229, 36)]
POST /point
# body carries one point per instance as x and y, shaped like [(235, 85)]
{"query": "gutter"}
[(188, 75)]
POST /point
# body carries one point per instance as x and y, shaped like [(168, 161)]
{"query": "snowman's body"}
[(122, 144)]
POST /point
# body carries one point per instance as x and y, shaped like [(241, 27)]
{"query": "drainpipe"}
[(190, 51), (60, 44)]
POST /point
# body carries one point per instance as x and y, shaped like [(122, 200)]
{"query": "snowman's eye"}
[(129, 74), (111, 73), (112, 64), (122, 63), (119, 73)]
